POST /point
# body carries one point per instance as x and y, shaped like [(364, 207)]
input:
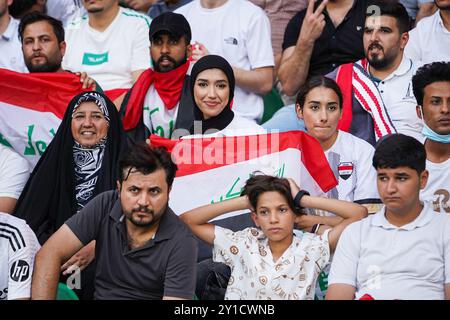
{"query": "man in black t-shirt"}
[(320, 38), (143, 250)]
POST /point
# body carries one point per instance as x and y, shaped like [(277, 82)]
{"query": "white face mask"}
[(430, 134)]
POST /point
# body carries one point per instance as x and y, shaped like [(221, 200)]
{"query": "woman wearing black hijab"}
[(212, 89), (79, 163)]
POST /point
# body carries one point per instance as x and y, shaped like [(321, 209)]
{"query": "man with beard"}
[(380, 85), (43, 45), (430, 40), (10, 57), (109, 43), (377, 90), (160, 101), (143, 250)]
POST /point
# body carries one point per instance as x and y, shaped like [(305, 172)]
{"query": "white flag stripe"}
[(28, 131), (226, 182)]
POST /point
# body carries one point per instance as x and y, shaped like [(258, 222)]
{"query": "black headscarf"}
[(223, 119), (48, 198)]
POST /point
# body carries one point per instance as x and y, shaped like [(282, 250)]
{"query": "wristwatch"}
[(299, 196)]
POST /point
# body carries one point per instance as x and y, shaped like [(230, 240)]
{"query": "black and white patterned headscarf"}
[(95, 98), (68, 175), (88, 161), (87, 167)]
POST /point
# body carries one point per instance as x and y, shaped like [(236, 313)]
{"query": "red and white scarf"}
[(169, 86), (354, 79)]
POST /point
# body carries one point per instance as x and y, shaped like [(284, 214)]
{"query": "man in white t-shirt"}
[(160, 101), (429, 41), (10, 57), (18, 247), (110, 43), (402, 251), (431, 85), (14, 173), (239, 31)]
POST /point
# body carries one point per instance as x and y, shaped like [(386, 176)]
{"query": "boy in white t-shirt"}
[(402, 251), (431, 86)]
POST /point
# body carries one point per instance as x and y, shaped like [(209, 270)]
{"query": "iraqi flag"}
[(216, 169), (31, 108)]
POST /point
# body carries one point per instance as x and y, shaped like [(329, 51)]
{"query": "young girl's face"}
[(321, 113), (274, 216)]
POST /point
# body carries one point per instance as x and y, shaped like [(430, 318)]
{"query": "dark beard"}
[(377, 63), (176, 64), (155, 217), (146, 224), (46, 67)]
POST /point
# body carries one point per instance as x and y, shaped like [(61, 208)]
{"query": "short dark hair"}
[(428, 74), (258, 184), (36, 16), (315, 82), (399, 150), (146, 159), (392, 8)]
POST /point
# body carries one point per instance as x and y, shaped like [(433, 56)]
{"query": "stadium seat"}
[(65, 293)]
